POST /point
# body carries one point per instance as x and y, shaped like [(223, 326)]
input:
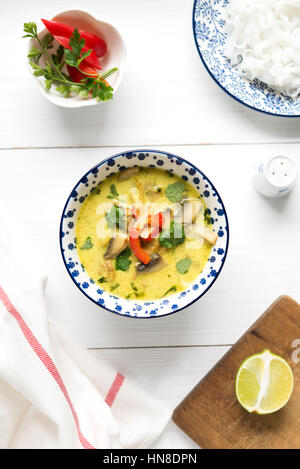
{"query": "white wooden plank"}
[(169, 374), (263, 260), (166, 96)]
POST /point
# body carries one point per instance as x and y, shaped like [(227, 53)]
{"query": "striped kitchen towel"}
[(54, 393)]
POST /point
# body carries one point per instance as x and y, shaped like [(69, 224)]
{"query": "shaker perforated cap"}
[(276, 176)]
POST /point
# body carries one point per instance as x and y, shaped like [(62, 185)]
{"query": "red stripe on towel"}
[(45, 359), (115, 388)]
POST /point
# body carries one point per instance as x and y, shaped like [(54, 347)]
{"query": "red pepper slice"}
[(135, 243), (77, 76), (156, 222), (92, 41), (152, 235), (91, 60)]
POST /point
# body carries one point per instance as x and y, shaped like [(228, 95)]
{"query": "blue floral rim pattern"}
[(151, 159), (210, 38)]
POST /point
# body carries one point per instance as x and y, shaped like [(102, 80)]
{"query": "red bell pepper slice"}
[(77, 76), (91, 60), (135, 244), (152, 235), (156, 222), (92, 41)]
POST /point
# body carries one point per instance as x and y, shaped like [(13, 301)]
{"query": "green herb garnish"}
[(97, 87), (137, 293), (113, 287), (172, 289), (183, 265), (34, 54), (122, 261), (87, 244), (95, 191), (57, 58), (113, 192), (207, 217), (102, 280), (116, 218), (173, 236), (75, 56), (174, 191)]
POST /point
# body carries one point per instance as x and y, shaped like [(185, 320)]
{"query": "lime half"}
[(264, 383)]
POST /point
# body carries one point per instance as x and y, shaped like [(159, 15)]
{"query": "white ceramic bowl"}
[(114, 57), (133, 308)]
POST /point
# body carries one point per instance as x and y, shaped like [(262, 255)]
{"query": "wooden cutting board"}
[(211, 415)]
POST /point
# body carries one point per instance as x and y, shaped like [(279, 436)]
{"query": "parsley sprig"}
[(53, 73)]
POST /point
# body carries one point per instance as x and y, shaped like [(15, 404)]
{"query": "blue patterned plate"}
[(210, 38), (152, 159)]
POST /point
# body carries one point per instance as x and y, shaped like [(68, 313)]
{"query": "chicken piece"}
[(108, 269)]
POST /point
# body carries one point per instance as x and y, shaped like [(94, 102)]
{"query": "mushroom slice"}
[(116, 245), (189, 211), (152, 246), (128, 173), (156, 263)]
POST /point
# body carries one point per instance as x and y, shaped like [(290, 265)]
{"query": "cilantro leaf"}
[(102, 280), (122, 261), (74, 57), (96, 190), (34, 54), (136, 291), (174, 191), (116, 218), (113, 192), (31, 29), (64, 90), (39, 71), (87, 244), (99, 89), (56, 58), (183, 265), (173, 236), (70, 58), (47, 41), (76, 43), (48, 84), (207, 217), (172, 289)]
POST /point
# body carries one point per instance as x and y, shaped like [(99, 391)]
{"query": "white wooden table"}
[(166, 101)]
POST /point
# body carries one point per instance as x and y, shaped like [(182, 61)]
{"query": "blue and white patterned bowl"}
[(210, 37), (153, 159)]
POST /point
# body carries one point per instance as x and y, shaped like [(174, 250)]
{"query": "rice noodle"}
[(266, 35)]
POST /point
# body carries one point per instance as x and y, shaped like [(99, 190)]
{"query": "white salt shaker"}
[(275, 176)]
